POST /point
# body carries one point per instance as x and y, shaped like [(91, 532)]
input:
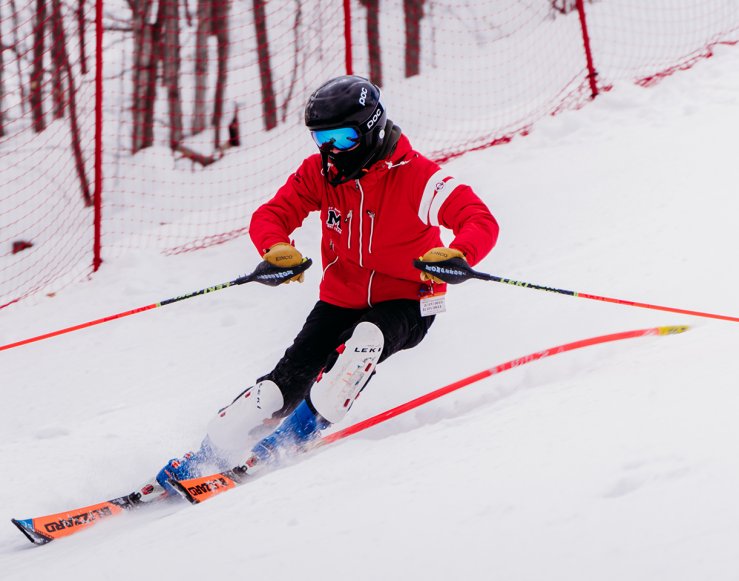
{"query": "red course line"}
[(78, 327), (424, 399)]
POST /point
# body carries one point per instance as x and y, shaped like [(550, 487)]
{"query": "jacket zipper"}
[(361, 212), (348, 220), (369, 289), (372, 229)]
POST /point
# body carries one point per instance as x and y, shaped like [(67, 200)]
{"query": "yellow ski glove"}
[(285, 255), (437, 255)]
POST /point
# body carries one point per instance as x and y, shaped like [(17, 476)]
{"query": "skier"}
[(381, 204)]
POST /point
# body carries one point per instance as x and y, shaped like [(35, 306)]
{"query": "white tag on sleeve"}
[(433, 305)]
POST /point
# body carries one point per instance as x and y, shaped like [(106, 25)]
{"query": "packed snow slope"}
[(609, 463)]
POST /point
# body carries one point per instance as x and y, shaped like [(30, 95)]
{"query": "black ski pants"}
[(329, 326)]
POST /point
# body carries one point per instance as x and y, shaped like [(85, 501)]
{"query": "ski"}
[(44, 529), (41, 530), (200, 489), (197, 490)]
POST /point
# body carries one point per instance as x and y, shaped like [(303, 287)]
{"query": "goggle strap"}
[(325, 149)]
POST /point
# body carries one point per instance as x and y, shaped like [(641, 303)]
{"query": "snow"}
[(612, 462)]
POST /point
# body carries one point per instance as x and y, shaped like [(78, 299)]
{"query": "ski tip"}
[(44, 529), (672, 329), (29, 531)]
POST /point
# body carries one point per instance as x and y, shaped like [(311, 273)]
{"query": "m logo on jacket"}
[(333, 220)]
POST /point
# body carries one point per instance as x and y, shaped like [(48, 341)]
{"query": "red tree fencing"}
[(192, 114)]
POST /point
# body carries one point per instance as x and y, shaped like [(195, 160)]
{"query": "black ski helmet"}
[(348, 101)]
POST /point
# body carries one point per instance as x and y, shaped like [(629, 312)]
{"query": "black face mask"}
[(350, 165)]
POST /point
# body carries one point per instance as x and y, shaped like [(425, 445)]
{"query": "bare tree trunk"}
[(201, 64), (35, 97), (81, 35), (188, 14), (146, 39), (170, 20), (373, 40), (149, 83), (221, 28), (269, 105), (57, 59), (2, 81), (297, 49), (139, 9), (413, 14), (16, 44), (72, 93)]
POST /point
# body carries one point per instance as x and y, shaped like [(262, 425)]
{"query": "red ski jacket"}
[(374, 227)]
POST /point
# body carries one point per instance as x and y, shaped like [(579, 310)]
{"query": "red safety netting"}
[(183, 177), (196, 117), (647, 41), (47, 97), (488, 69)]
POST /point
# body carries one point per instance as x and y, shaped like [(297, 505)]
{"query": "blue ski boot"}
[(330, 397), (302, 426), (191, 465)]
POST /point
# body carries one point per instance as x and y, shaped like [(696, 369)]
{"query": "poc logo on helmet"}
[(363, 97), (374, 118)]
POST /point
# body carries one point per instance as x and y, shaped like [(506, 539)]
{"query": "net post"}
[(592, 73)]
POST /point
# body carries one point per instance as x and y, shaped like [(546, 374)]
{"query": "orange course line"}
[(424, 399), (78, 327)]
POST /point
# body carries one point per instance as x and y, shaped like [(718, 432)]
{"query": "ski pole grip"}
[(452, 270), (271, 275)]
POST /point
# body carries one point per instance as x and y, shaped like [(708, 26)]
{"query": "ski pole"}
[(264, 273), (456, 270)]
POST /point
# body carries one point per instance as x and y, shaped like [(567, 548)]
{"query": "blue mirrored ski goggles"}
[(344, 138)]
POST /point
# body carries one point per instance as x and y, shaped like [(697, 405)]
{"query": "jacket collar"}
[(402, 155)]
